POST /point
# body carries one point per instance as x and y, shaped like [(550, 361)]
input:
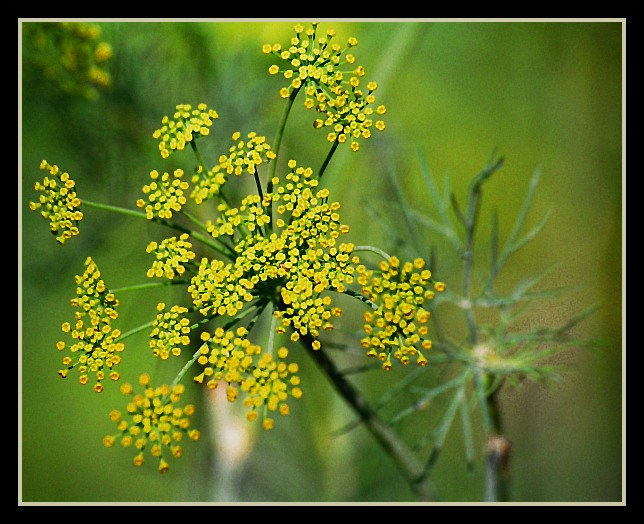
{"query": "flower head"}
[(58, 202), (153, 421), (267, 382), (333, 85), (244, 156), (170, 331), (186, 125), (96, 348), (397, 326), (172, 255), (294, 266), (165, 194)]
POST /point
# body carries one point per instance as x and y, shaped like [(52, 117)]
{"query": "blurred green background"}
[(543, 94)]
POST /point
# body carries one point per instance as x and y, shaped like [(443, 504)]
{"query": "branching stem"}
[(409, 466)]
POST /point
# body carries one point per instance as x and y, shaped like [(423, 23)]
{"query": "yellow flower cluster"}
[(313, 259), (170, 331), (58, 202), (267, 382), (70, 55), (399, 324), (294, 266), (207, 184), (153, 421), (219, 288), (171, 256), (350, 114), (249, 216), (186, 125), (165, 194), (313, 64), (96, 345), (243, 156)]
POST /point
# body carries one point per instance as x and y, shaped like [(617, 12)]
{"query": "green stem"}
[(209, 241), (361, 297), (185, 368), (271, 334), (467, 268), (409, 466), (148, 285), (114, 209), (135, 330), (198, 155), (373, 249), (328, 159), (497, 454), (276, 148), (261, 197)]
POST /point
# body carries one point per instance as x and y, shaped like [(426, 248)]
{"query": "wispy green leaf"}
[(441, 204), (428, 394), (509, 246), (440, 433)]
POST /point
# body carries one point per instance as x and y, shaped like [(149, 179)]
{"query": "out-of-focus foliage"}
[(542, 94)]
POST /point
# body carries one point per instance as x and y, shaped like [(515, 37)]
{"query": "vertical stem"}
[(280, 130), (198, 155), (497, 455), (276, 148), (328, 158), (498, 446)]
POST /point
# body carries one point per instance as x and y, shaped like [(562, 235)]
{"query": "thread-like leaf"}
[(508, 248), (440, 433), (428, 395)]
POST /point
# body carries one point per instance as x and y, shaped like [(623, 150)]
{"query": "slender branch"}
[(280, 132), (328, 158), (149, 285), (135, 330), (209, 241), (200, 161), (276, 148), (409, 466), (373, 249), (116, 209), (361, 297)]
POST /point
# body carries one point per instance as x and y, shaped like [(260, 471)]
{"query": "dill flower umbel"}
[(165, 194), (170, 331), (172, 256), (58, 202), (397, 326), (153, 421), (293, 267), (231, 358), (244, 156), (333, 85), (186, 125), (96, 348)]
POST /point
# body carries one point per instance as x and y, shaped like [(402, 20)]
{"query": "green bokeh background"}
[(543, 94)]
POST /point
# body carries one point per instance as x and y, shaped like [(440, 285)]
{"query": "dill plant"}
[(285, 250)]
